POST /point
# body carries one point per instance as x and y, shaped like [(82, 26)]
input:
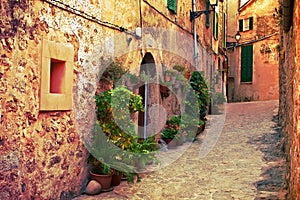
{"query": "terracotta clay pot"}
[(104, 180), (168, 78), (116, 180)]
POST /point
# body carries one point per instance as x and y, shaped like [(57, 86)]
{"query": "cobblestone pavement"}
[(243, 162)]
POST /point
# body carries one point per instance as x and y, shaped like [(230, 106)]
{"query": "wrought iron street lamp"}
[(213, 2), (196, 14), (237, 37)]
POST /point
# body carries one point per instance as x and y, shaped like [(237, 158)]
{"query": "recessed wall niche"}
[(57, 63)]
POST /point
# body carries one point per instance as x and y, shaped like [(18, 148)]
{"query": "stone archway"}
[(148, 120)]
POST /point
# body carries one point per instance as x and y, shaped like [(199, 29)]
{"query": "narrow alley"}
[(245, 161)]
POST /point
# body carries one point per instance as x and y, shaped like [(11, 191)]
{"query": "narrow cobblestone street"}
[(243, 162)]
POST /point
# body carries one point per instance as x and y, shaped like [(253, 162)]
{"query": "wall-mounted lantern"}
[(196, 14), (213, 2), (237, 37)]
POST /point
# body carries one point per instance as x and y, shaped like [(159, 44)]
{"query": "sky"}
[(243, 2)]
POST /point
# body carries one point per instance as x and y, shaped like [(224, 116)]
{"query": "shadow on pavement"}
[(273, 185)]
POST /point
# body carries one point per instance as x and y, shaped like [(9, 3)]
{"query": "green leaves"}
[(171, 128), (201, 90)]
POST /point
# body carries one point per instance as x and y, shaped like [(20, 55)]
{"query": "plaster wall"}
[(265, 39)]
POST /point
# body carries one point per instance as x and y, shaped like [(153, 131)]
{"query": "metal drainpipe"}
[(146, 109), (234, 74), (211, 65), (195, 36)]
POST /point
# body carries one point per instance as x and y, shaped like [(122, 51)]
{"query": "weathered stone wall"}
[(289, 99), (42, 153)]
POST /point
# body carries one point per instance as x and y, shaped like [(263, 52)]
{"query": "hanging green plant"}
[(200, 88)]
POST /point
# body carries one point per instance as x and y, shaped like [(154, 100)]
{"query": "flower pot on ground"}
[(116, 179), (103, 179), (100, 172)]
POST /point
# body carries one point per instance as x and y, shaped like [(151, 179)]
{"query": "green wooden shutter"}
[(216, 25), (251, 23), (207, 21), (224, 31), (172, 5), (241, 25), (247, 63)]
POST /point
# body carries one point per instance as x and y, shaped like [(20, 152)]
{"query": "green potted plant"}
[(114, 108), (120, 129)]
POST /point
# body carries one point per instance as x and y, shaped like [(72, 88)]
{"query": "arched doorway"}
[(150, 93)]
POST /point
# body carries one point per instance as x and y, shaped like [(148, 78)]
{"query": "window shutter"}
[(224, 31), (172, 4), (247, 63), (251, 23), (216, 25), (207, 21), (241, 25)]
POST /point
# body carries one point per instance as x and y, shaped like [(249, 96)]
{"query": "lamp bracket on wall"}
[(196, 14)]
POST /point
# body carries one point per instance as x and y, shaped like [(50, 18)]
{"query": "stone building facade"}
[(289, 90), (253, 61), (52, 53)]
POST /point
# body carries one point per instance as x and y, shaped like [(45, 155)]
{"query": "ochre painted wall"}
[(265, 39), (265, 84)]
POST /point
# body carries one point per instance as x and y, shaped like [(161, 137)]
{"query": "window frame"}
[(246, 24)]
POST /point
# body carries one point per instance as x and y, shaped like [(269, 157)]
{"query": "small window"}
[(57, 61), (57, 74), (172, 5), (246, 24)]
